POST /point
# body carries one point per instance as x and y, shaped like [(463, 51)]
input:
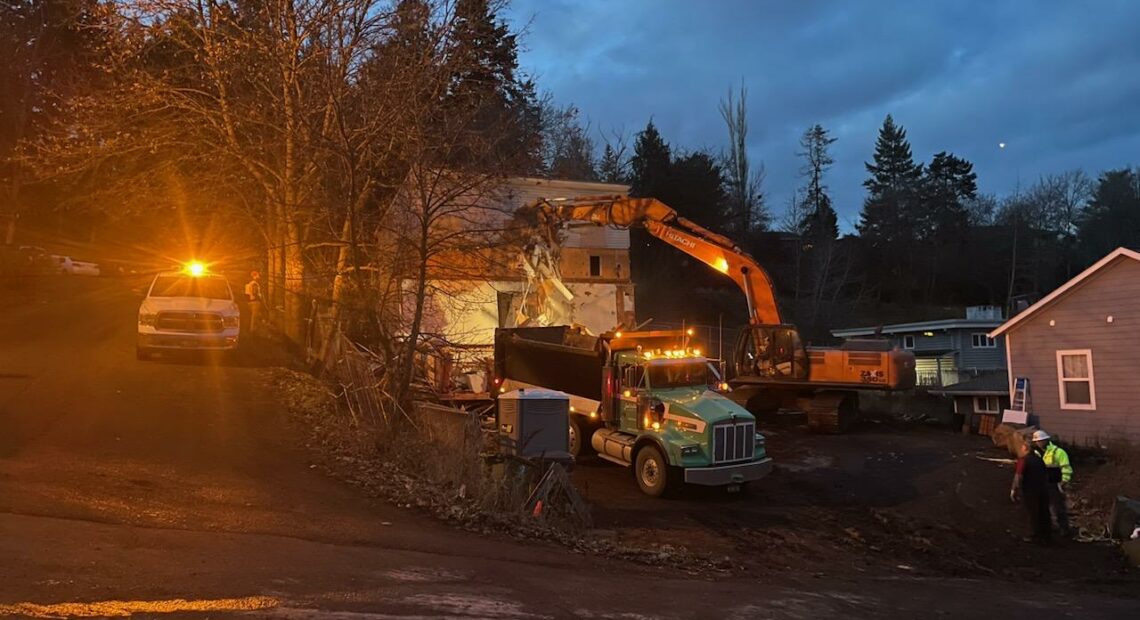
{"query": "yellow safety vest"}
[(1055, 456)]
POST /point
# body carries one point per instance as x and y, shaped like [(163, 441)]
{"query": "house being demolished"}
[(575, 275)]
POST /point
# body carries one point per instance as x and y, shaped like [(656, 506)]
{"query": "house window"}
[(1075, 379), (987, 404), (983, 341), (595, 266), (908, 342)]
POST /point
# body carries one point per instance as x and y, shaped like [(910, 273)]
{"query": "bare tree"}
[(256, 107), (745, 197), (613, 167), (568, 150)]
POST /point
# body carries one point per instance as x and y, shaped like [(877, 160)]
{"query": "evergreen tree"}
[(611, 168), (1112, 217), (696, 189), (820, 220), (693, 185), (949, 187), (886, 224), (488, 92), (650, 163), (892, 188)]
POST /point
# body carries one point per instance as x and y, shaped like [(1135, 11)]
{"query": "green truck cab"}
[(645, 400)]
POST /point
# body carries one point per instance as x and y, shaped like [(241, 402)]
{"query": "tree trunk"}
[(409, 367), (296, 307)]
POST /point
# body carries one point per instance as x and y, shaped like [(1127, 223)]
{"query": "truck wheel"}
[(580, 438), (652, 471)]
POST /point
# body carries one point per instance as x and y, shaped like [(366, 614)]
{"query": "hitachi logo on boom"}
[(682, 240)]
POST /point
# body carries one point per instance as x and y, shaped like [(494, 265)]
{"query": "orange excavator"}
[(770, 368)]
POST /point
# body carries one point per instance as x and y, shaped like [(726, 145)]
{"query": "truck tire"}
[(579, 434), (654, 476)]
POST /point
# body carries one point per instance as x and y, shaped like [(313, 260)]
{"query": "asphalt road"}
[(176, 487)]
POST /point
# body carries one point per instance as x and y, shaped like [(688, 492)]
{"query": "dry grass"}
[(1106, 473)]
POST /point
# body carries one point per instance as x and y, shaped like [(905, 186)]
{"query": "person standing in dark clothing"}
[(1031, 483)]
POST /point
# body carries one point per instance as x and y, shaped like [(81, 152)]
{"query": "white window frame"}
[(909, 347), (987, 342), (985, 401), (591, 265), (1091, 406)]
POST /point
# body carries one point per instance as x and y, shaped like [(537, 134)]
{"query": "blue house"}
[(946, 351)]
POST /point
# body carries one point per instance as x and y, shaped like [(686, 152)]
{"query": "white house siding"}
[(467, 313)]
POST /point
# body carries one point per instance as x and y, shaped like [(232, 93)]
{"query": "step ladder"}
[(1018, 412)]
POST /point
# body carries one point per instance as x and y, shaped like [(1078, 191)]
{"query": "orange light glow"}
[(196, 269)]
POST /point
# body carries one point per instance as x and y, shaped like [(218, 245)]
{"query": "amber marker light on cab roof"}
[(196, 268)]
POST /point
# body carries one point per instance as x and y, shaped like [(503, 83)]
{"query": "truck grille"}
[(197, 322), (734, 441)]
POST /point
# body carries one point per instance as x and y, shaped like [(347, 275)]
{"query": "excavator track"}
[(831, 412)]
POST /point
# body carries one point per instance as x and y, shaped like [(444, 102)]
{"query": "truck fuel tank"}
[(613, 445)]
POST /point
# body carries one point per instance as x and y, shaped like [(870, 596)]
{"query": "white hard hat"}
[(1040, 436)]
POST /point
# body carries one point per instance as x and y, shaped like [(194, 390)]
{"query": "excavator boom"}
[(661, 221)]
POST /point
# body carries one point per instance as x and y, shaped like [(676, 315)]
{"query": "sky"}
[(1057, 81)]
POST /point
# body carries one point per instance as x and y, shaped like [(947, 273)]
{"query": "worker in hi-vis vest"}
[(1060, 473)]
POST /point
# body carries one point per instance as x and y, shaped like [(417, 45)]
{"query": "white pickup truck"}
[(188, 310)]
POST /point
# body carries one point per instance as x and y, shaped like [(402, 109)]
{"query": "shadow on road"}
[(253, 352)]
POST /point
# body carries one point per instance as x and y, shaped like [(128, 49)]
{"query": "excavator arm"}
[(716, 251)]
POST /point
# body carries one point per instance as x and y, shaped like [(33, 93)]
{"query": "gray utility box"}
[(534, 422)]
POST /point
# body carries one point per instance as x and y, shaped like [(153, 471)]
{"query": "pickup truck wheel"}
[(653, 473), (580, 433)]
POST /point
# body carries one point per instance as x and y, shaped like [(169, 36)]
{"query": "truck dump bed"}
[(556, 358)]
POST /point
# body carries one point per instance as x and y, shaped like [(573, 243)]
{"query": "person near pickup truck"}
[(253, 298), (1060, 472)]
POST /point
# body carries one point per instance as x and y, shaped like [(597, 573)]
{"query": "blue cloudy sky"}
[(1058, 81)]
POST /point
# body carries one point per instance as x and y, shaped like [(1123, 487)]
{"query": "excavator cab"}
[(771, 352)]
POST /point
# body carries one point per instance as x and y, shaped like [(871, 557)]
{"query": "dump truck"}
[(648, 400)]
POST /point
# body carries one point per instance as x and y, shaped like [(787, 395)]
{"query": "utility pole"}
[(1016, 222)]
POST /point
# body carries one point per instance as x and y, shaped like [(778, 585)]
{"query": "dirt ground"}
[(885, 499)]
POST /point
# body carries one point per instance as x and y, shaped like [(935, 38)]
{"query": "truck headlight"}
[(147, 319), (759, 439), (690, 450), (231, 321)]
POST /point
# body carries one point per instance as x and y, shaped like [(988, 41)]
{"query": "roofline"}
[(1064, 288), (948, 392), (592, 186), (922, 325)]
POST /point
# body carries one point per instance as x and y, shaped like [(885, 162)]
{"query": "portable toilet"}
[(535, 422)]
